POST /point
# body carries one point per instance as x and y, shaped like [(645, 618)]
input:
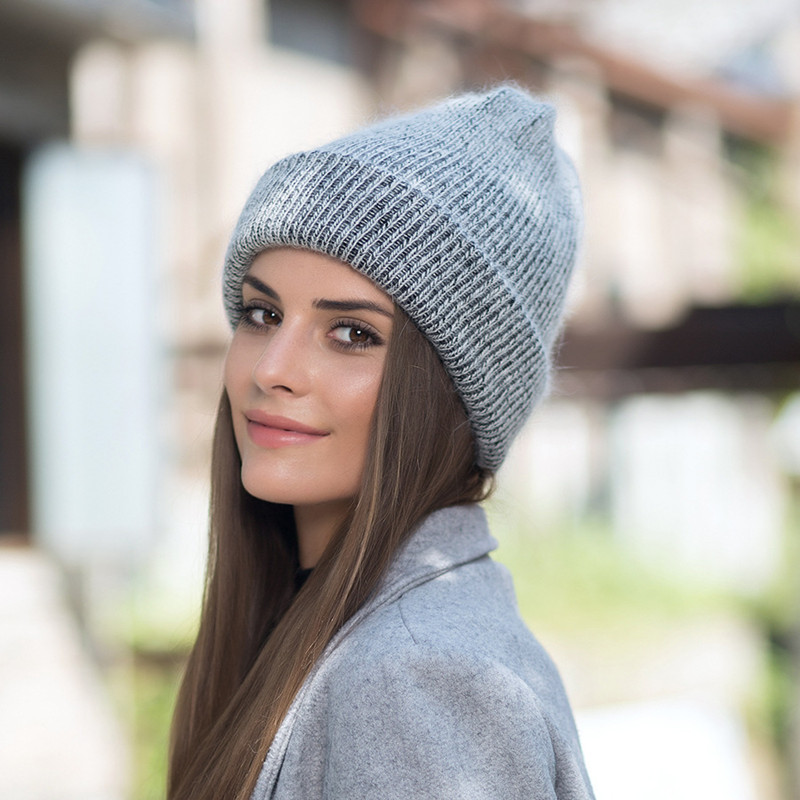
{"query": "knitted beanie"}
[(467, 214)]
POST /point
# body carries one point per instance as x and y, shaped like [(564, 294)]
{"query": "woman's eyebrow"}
[(352, 305), (323, 304), (261, 287)]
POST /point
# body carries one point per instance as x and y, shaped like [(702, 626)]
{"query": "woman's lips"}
[(270, 431)]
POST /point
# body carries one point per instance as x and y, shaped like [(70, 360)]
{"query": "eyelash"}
[(375, 339), (245, 318)]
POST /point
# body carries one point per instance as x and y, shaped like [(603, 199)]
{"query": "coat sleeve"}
[(426, 724)]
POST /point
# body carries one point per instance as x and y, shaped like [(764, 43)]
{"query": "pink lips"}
[(271, 431)]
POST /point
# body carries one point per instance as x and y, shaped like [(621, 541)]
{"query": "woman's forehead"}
[(307, 270)]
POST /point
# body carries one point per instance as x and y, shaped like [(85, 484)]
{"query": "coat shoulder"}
[(467, 616), (445, 687), (458, 637)]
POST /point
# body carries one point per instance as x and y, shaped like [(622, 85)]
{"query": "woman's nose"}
[(285, 363)]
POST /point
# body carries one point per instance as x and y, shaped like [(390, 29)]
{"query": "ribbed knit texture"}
[(466, 213)]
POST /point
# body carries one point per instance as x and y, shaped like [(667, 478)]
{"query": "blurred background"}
[(650, 512)]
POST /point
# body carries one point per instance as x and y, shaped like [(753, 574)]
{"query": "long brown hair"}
[(258, 639)]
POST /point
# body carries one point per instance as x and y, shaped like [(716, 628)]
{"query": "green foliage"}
[(581, 580), (777, 610), (768, 249), (777, 614), (768, 246), (145, 693), (769, 711), (151, 632)]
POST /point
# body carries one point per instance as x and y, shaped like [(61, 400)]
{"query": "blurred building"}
[(78, 236), (684, 337), (131, 133)]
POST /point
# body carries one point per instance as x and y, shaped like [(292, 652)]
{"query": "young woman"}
[(394, 298)]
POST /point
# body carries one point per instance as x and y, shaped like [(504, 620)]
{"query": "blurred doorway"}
[(14, 514)]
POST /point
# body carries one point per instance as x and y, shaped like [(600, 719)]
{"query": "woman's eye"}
[(260, 317), (353, 335)]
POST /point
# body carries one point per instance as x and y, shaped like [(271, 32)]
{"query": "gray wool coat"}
[(434, 689)]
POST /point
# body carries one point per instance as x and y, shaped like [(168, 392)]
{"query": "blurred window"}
[(323, 29), (636, 126)]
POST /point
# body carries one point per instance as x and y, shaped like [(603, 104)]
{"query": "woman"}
[(394, 297)]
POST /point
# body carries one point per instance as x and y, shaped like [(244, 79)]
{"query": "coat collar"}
[(444, 540)]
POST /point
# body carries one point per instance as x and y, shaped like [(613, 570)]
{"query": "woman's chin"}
[(292, 490), (269, 490)]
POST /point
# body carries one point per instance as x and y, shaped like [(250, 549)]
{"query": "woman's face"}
[(302, 374)]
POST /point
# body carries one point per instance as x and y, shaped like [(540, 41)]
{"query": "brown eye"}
[(354, 335), (351, 334), (358, 336), (262, 316)]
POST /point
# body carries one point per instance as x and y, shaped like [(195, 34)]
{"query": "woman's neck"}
[(315, 526)]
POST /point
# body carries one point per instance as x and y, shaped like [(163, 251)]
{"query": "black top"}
[(300, 577)]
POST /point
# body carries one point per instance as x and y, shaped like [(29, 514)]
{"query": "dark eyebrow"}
[(325, 305), (352, 305), (261, 287)]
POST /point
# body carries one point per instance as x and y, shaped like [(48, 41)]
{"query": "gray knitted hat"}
[(467, 214)]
